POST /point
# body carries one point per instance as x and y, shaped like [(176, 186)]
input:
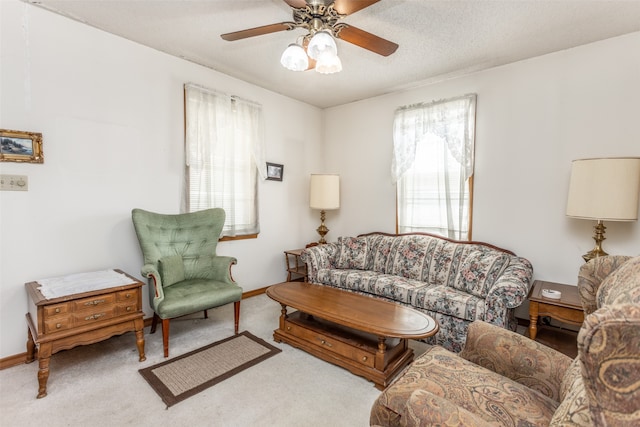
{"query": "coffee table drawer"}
[(331, 343)]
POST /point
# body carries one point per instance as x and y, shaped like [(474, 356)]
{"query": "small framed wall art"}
[(274, 171), (19, 146)]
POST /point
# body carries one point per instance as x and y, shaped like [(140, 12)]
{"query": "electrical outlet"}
[(14, 182)]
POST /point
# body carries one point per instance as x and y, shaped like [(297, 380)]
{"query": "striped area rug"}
[(181, 377)]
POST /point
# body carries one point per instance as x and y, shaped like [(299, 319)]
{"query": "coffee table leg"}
[(283, 316), (382, 349)]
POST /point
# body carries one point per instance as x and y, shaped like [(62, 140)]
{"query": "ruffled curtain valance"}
[(216, 117), (449, 119)]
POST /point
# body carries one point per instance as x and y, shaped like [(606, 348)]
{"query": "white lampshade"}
[(604, 189), (295, 58), (328, 64), (322, 43), (324, 192)]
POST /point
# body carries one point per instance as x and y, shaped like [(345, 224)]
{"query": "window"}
[(433, 147), (224, 145)]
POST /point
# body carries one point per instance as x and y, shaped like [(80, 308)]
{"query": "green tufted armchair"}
[(185, 274)]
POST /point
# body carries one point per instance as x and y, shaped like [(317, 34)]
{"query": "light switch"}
[(14, 182)]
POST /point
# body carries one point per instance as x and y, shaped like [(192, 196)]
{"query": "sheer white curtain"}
[(433, 148), (224, 154)]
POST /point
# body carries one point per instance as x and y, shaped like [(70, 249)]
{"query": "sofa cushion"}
[(443, 264), (352, 252), (171, 269), (449, 301), (495, 399), (411, 256), (395, 288), (479, 270), (381, 251)]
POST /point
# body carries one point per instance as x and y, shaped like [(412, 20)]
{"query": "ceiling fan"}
[(321, 18)]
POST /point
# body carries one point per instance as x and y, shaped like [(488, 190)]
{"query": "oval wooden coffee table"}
[(367, 336)]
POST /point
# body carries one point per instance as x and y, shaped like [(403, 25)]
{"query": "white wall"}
[(111, 115), (533, 118)]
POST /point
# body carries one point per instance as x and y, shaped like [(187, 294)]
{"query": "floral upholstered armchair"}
[(505, 379)]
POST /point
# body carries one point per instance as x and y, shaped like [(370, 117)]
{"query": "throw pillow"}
[(479, 271), (171, 270), (353, 252)]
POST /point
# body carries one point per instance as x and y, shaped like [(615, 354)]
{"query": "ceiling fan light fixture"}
[(294, 58), (329, 64), (322, 43)]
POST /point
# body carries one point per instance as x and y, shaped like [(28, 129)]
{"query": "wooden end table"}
[(567, 309), (367, 336), (67, 321), (296, 269)]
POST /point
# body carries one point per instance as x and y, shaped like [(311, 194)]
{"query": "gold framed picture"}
[(19, 146)]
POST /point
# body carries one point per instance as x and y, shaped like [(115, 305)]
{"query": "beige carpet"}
[(186, 375), (99, 384)]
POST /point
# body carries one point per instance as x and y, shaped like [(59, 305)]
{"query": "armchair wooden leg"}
[(165, 336), (154, 323), (206, 314), (236, 315)]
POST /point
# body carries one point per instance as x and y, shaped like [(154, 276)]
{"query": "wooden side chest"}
[(85, 318)]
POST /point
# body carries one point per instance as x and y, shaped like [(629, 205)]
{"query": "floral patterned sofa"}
[(454, 282), (505, 379)]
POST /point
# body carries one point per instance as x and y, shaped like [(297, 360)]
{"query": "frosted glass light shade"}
[(294, 58), (322, 43), (604, 189), (329, 64), (324, 192)]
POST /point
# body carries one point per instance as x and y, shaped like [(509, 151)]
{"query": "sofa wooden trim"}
[(417, 233)]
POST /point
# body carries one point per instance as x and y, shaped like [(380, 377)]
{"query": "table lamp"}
[(324, 194), (604, 189)]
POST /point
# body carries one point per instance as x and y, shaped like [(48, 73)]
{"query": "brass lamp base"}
[(598, 236), (322, 230)]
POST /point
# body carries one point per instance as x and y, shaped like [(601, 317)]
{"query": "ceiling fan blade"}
[(258, 31), (346, 7), (365, 40), (296, 3)]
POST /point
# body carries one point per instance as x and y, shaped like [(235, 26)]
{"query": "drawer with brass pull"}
[(333, 344), (56, 309), (126, 308), (88, 303), (84, 317), (130, 295), (56, 324)]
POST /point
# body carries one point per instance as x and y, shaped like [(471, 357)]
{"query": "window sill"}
[(243, 237)]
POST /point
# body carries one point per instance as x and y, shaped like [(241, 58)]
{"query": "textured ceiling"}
[(437, 39)]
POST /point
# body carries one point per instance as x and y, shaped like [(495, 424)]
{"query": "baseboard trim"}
[(19, 359), (11, 361), (254, 293)]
